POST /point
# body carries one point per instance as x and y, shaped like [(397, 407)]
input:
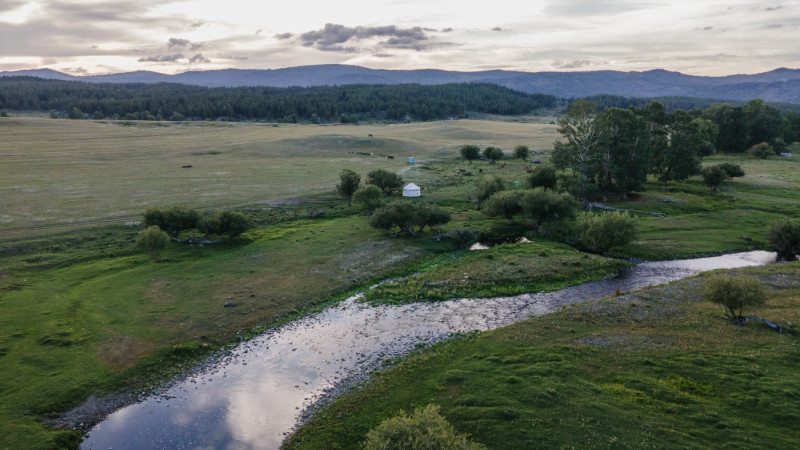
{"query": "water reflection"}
[(253, 397)]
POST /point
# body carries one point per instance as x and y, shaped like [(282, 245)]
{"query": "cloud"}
[(579, 8), (162, 58), (174, 42), (333, 36), (577, 64), (283, 36), (773, 8), (198, 58)]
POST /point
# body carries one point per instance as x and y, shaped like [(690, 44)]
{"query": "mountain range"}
[(779, 85)]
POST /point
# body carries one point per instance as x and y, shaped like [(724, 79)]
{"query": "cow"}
[(390, 157), (370, 135), (480, 170), (460, 170), (503, 166)]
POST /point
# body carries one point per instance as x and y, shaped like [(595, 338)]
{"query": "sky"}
[(698, 37)]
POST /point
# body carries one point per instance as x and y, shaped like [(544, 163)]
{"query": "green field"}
[(84, 312)]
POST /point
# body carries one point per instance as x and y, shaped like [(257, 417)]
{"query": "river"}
[(255, 395)]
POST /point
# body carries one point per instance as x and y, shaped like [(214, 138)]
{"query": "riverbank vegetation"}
[(86, 313)]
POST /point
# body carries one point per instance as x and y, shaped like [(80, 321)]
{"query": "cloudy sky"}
[(699, 37)]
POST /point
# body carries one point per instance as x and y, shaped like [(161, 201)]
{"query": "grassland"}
[(84, 312)]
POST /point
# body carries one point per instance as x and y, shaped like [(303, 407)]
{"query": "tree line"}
[(611, 153), (169, 101)]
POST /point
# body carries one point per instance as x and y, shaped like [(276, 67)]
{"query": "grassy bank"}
[(658, 368)]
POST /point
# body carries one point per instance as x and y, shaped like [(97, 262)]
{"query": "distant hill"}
[(780, 85)]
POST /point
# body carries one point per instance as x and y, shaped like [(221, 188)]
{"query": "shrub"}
[(470, 152), (385, 180), (734, 293), (542, 176), (733, 170), (521, 152), (152, 240), (424, 429), (541, 205), (172, 220), (762, 150), (369, 197), (486, 188), (784, 235), (599, 233), (463, 238), (504, 203), (231, 223), (407, 215), (714, 176)]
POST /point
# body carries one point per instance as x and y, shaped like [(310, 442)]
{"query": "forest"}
[(167, 101)]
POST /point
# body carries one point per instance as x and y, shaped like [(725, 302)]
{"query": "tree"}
[(97, 115), (492, 154), (505, 204), (470, 152), (600, 233), (425, 429), (784, 235), (486, 188), (406, 215), (578, 151), (385, 180), (230, 223), (762, 151), (369, 197), (734, 293), (76, 113), (152, 240), (463, 238), (521, 151), (680, 159), (714, 176), (348, 184), (172, 220), (623, 155), (542, 176), (542, 205)]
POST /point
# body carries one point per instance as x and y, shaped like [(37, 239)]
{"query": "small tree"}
[(486, 188), (97, 115), (385, 180), (732, 170), (762, 151), (152, 240), (714, 176), (424, 429), (492, 154), (521, 151), (734, 293), (369, 197), (542, 176), (76, 113), (230, 223), (784, 235), (505, 204), (463, 238), (541, 205), (348, 184), (172, 220), (600, 233), (407, 216), (470, 152)]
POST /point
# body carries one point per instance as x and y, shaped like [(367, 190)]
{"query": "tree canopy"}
[(385, 180)]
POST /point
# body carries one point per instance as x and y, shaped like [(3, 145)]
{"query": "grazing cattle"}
[(188, 166), (480, 170), (369, 135), (503, 166), (390, 157), (462, 170)]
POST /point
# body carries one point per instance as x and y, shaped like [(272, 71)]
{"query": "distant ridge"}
[(779, 85)]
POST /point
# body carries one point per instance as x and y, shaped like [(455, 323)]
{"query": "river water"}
[(254, 395)]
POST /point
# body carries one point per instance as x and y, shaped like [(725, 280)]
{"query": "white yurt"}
[(411, 190)]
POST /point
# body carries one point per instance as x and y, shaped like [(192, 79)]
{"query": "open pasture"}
[(60, 172)]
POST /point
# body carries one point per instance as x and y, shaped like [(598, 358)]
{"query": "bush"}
[(521, 151), (463, 238), (784, 235), (230, 223), (152, 240), (762, 150), (406, 215), (369, 197), (734, 293), (504, 203), (599, 233), (172, 220), (470, 152), (544, 177), (733, 170), (486, 188), (542, 205), (385, 180), (714, 176), (425, 429)]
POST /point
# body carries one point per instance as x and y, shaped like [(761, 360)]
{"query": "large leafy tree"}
[(492, 154), (623, 156), (470, 152), (680, 159), (578, 149), (348, 184), (486, 188)]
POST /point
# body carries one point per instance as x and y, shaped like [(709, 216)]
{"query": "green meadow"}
[(85, 313)]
